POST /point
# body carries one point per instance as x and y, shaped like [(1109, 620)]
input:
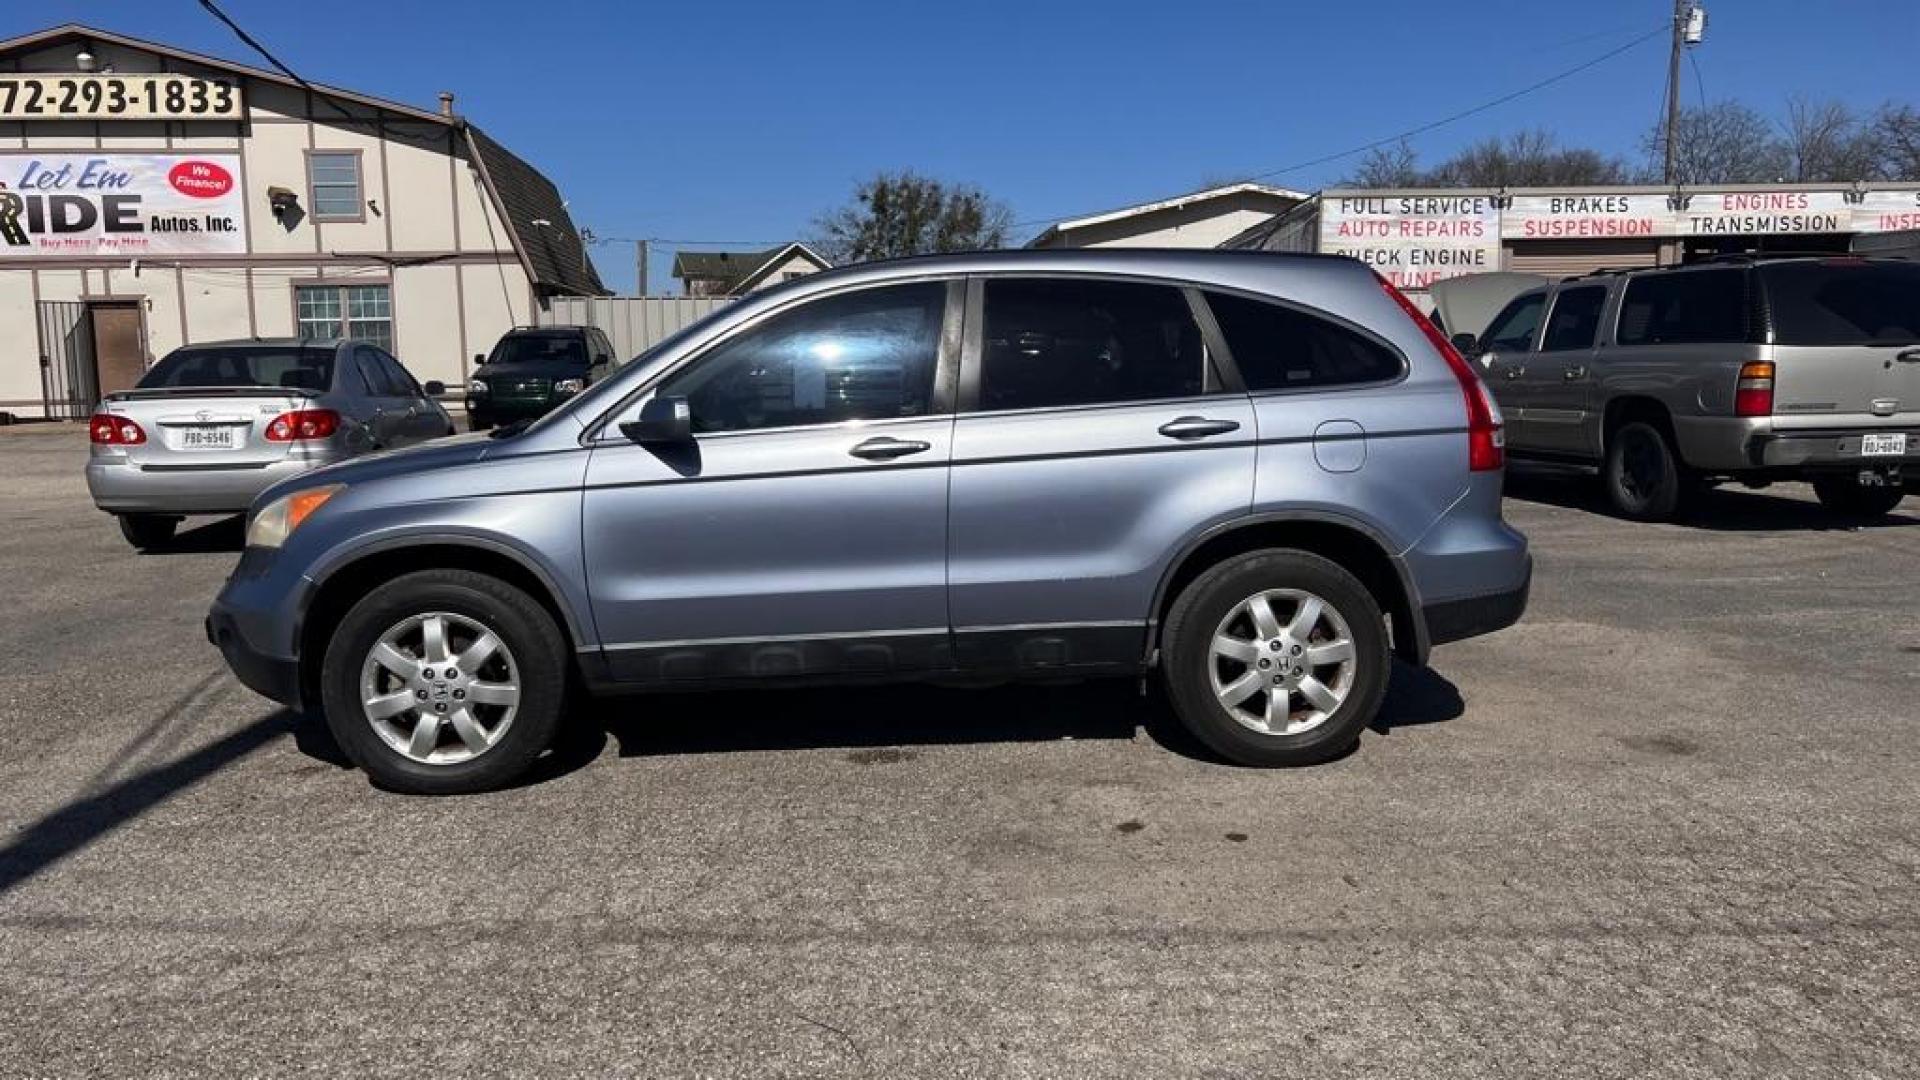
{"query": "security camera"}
[(282, 200)]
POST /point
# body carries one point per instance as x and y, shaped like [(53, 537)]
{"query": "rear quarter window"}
[(1283, 348), (1836, 303), (1687, 307)]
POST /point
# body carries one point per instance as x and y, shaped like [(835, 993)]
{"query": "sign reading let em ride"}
[(88, 205)]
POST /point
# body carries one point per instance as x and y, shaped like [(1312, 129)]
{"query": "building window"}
[(333, 177), (360, 312)]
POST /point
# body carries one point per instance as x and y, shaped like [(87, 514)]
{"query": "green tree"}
[(904, 213)]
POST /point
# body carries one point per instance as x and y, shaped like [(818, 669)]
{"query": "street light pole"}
[(1682, 10)]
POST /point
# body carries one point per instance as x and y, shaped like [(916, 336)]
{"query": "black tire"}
[(1190, 665), (1644, 478), (147, 531), (1848, 497), (538, 648)]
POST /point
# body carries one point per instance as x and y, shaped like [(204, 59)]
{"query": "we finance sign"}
[(1414, 240), (65, 206)]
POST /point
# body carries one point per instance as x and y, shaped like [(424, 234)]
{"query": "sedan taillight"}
[(106, 429), (302, 424)]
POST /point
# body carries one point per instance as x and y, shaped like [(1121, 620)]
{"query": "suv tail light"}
[(1486, 434), (303, 424), (1753, 394), (106, 429)]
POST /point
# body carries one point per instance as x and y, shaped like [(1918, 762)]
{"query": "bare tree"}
[(1826, 140), (1388, 166), (904, 213), (1896, 139), (1722, 143)]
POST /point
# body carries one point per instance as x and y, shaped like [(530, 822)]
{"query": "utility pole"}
[(640, 266), (1682, 11)]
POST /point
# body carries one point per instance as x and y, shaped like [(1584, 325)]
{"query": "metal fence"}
[(67, 386), (634, 323)]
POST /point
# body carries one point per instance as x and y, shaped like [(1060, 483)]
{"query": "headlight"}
[(478, 388), (277, 520), (569, 386)]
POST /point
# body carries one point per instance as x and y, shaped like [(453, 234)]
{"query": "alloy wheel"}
[(1282, 661), (440, 688)]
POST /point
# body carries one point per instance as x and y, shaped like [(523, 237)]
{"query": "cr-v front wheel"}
[(445, 681), (1276, 658)]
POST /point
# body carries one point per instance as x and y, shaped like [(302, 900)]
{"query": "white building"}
[(1199, 219), (155, 197)]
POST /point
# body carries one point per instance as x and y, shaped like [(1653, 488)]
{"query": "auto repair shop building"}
[(1417, 237), (154, 197)]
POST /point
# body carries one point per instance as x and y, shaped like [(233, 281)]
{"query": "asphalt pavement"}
[(1667, 826)]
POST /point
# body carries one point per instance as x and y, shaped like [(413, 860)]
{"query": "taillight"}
[(106, 429), (303, 424), (1486, 434), (1753, 394)]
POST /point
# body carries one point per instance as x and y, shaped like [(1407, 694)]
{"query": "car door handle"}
[(1514, 372), (883, 448), (1196, 427), (1575, 372), (1911, 356)]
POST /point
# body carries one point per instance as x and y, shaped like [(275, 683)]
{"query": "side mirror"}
[(662, 420), (435, 388), (1466, 343), (479, 358)]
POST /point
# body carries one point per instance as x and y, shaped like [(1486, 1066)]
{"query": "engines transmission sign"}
[(88, 205)]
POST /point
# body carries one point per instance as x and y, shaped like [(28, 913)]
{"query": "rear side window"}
[(1052, 342), (1829, 303), (1575, 318), (1282, 348), (1512, 329), (1688, 307)]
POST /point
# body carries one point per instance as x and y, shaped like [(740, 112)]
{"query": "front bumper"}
[(119, 486), (270, 676)]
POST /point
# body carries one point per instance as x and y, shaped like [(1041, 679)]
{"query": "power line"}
[(1663, 28), (248, 40)]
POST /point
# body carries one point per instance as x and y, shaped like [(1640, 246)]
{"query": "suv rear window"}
[(1279, 348), (1053, 342), (1837, 303), (1685, 307), (262, 365)]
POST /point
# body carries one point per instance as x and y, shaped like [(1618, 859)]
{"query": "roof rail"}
[(1761, 256)]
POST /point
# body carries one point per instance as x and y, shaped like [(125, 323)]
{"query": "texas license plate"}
[(209, 437), (1894, 445)]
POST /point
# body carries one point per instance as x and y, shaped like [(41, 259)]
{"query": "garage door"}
[(1572, 258)]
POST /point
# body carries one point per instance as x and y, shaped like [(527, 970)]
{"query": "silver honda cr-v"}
[(1260, 476)]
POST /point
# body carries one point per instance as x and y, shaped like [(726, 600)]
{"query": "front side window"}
[(333, 182), (1052, 342), (1283, 348), (1686, 307), (331, 312), (1575, 319), (1512, 329), (864, 355)]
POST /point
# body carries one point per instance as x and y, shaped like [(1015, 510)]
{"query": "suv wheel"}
[(1276, 658), (1846, 495), (146, 531), (1643, 473), (445, 681)]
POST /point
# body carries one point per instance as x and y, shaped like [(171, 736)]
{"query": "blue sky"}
[(742, 121)]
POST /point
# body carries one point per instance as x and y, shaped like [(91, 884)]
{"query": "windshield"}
[(1843, 303), (540, 349), (292, 366)]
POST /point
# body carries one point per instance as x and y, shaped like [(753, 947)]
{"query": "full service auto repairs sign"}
[(1414, 240), (86, 205)]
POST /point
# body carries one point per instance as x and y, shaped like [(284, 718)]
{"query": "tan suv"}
[(1739, 369)]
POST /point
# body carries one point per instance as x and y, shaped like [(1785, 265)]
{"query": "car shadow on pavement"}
[(105, 806), (221, 534), (1727, 508)]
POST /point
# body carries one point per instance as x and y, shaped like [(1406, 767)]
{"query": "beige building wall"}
[(427, 228), (794, 266)]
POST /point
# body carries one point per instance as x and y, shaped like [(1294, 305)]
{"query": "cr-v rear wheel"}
[(1276, 658), (445, 681)]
